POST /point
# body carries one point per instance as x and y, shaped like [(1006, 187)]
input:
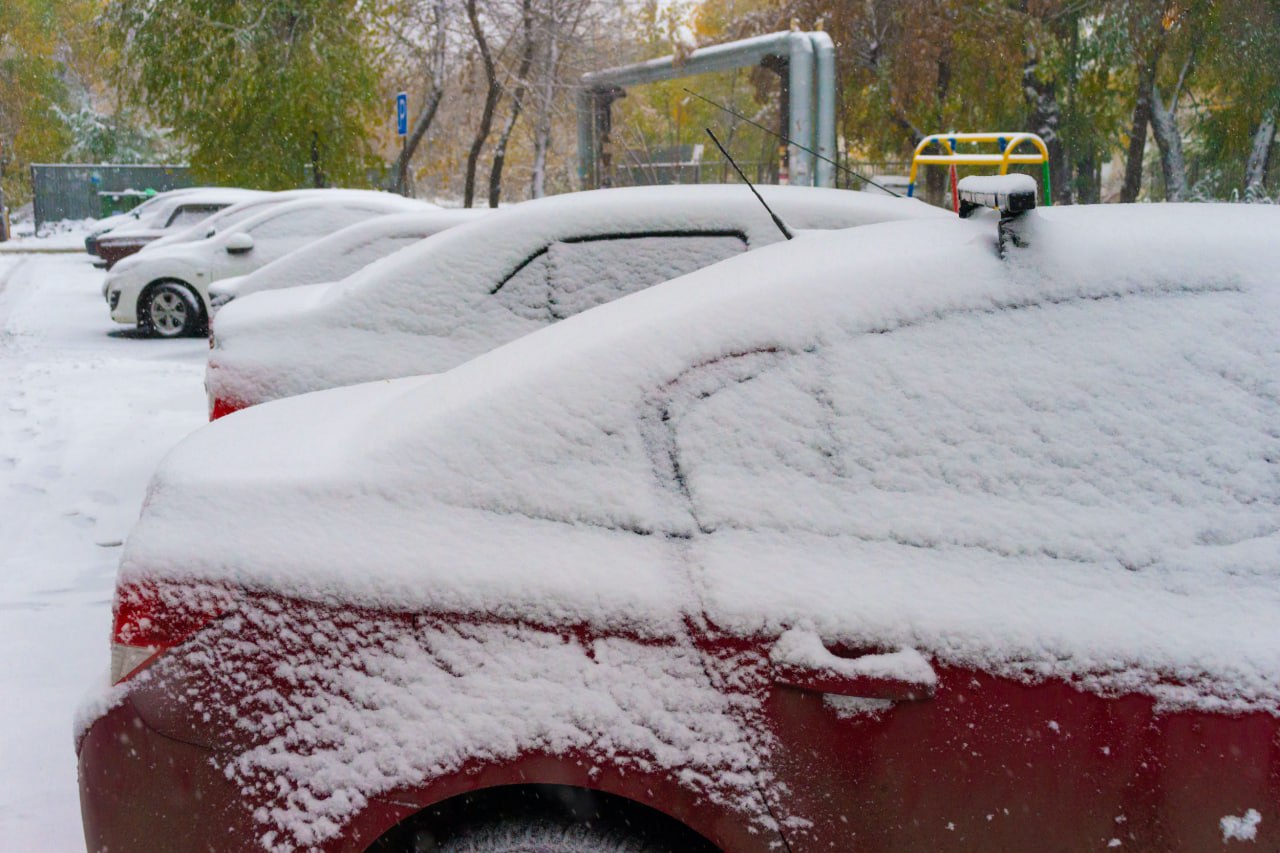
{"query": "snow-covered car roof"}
[(1063, 463), (433, 306), (344, 252), (252, 207)]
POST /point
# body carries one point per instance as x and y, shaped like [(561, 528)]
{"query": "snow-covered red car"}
[(343, 252), (431, 307), (164, 289), (873, 541)]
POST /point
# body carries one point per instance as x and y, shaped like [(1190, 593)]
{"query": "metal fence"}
[(84, 191), (691, 164)]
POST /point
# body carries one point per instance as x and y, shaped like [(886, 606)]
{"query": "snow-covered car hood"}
[(191, 253), (1114, 524)]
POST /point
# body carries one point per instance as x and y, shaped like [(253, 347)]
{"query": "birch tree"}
[(493, 91), (517, 100)]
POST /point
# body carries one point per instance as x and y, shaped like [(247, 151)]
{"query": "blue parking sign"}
[(402, 113)]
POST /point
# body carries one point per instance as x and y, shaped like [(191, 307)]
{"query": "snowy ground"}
[(86, 411)]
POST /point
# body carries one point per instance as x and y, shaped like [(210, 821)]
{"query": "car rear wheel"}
[(169, 310), (535, 835)]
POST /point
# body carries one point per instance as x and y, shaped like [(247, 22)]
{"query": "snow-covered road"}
[(86, 411)]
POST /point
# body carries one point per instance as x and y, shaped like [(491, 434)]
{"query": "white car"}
[(435, 305), (164, 289), (224, 219), (342, 253), (174, 213)]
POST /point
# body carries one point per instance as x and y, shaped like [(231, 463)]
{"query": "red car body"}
[(114, 249), (978, 763), (673, 606)]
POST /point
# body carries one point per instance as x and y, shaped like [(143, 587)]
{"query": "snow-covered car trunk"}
[(876, 540)]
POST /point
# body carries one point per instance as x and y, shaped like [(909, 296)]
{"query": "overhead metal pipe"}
[(800, 120), (810, 120), (824, 67)]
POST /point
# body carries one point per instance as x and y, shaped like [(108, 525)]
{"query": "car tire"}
[(169, 310), (540, 835)]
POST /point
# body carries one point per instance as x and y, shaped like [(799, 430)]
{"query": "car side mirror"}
[(239, 243)]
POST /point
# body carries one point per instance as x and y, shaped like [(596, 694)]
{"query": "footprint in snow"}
[(79, 520)]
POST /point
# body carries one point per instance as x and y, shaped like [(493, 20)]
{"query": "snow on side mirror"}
[(1012, 195), (239, 243)]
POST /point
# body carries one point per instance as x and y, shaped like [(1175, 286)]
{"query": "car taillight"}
[(149, 618), (219, 408)]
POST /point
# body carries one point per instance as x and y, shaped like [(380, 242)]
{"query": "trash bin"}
[(122, 201)]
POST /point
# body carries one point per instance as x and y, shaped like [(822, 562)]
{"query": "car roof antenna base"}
[(1008, 194), (777, 220)]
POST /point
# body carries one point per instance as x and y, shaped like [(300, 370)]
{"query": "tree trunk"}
[(1255, 171), (435, 73), (317, 173), (1173, 164), (490, 102), (517, 101), (542, 132), (1138, 130), (426, 115), (1087, 189), (1046, 119)]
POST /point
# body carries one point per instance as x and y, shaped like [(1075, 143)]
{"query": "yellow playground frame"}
[(1006, 143)]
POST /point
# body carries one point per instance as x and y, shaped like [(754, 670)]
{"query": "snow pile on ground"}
[(86, 414), (65, 234), (434, 306)]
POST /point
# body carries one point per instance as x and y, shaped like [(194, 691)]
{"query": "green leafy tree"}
[(1231, 150), (267, 93), (33, 37)]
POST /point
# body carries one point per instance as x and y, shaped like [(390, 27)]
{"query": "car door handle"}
[(801, 660)]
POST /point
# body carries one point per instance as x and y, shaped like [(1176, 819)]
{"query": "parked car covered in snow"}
[(102, 226), (873, 541), (224, 219), (172, 214), (342, 253), (164, 290), (434, 306)]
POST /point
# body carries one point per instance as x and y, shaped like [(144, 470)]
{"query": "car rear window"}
[(571, 276)]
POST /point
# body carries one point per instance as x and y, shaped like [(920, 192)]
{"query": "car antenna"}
[(782, 226), (839, 166)]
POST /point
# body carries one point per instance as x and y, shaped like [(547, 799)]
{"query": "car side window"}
[(526, 291), (752, 439), (586, 273), (309, 223), (190, 214)]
